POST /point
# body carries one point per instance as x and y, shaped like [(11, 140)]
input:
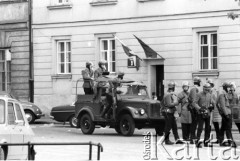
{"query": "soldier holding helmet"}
[(186, 118)]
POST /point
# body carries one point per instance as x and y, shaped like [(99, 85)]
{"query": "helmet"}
[(210, 81), (226, 84), (232, 84), (185, 83), (120, 73), (89, 63), (171, 84), (196, 79), (206, 85), (102, 62)]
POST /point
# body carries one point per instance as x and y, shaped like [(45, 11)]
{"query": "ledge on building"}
[(148, 0), (103, 2), (62, 6), (62, 76), (206, 73)]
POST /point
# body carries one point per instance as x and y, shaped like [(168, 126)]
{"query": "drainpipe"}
[(31, 76)]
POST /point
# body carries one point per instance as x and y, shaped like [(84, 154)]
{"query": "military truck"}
[(131, 108)]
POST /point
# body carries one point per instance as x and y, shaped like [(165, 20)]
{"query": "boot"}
[(179, 141), (168, 142)]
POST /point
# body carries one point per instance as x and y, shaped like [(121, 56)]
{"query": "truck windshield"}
[(132, 90), (2, 111)]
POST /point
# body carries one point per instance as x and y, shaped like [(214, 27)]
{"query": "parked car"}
[(31, 110), (131, 109), (14, 128), (64, 113)]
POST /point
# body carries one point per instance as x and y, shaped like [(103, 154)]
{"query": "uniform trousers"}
[(170, 124), (201, 122), (226, 127), (186, 129)]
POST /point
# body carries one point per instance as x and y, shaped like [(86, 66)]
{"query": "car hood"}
[(63, 107), (139, 100)]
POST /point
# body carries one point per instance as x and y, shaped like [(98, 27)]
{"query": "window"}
[(11, 114), (19, 112), (103, 2), (63, 1), (2, 111), (5, 70), (64, 57), (107, 50), (208, 51)]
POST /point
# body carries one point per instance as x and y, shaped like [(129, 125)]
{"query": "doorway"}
[(159, 81)]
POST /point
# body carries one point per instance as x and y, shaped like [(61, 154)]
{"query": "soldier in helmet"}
[(226, 113), (216, 117), (192, 96), (204, 105), (102, 68), (87, 75), (185, 114), (170, 101)]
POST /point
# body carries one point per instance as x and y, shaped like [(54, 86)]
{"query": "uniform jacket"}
[(203, 101), (223, 104), (216, 115), (98, 72), (234, 106), (87, 78), (184, 111), (170, 102), (193, 94)]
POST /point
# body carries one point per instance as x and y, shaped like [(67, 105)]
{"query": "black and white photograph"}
[(119, 80)]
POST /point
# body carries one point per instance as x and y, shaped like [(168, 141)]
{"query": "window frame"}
[(14, 112), (4, 111), (7, 70), (15, 104), (109, 60), (58, 62), (209, 51)]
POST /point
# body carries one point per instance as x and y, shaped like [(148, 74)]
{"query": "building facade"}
[(14, 48), (195, 38)]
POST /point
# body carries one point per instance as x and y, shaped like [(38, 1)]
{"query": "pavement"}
[(115, 147)]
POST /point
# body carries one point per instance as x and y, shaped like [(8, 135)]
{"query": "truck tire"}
[(127, 125), (30, 116), (117, 128), (73, 121), (86, 124), (2, 154)]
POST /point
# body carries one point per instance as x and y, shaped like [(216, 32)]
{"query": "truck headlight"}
[(142, 112)]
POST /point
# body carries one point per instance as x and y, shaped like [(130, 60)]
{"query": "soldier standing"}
[(217, 119), (170, 102), (192, 96), (204, 104), (234, 101), (87, 75), (185, 114), (225, 111), (102, 68)]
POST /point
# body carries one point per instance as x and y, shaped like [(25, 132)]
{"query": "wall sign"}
[(132, 62)]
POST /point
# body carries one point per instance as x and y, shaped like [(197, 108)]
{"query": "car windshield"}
[(132, 90), (2, 111)]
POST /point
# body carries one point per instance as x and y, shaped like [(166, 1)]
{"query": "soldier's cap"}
[(185, 83), (196, 79), (226, 84), (206, 85), (171, 84), (210, 81), (120, 73), (89, 63), (232, 84), (102, 62)]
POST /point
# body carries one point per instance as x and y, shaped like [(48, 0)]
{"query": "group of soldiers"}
[(198, 107)]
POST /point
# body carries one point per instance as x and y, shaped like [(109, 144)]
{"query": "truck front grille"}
[(154, 110)]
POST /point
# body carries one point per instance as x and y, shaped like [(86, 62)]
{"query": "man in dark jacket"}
[(87, 75), (102, 68), (192, 96), (204, 105), (170, 102)]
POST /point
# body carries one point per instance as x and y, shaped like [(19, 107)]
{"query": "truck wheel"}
[(30, 117), (127, 125), (2, 154), (117, 128), (87, 125), (73, 121)]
